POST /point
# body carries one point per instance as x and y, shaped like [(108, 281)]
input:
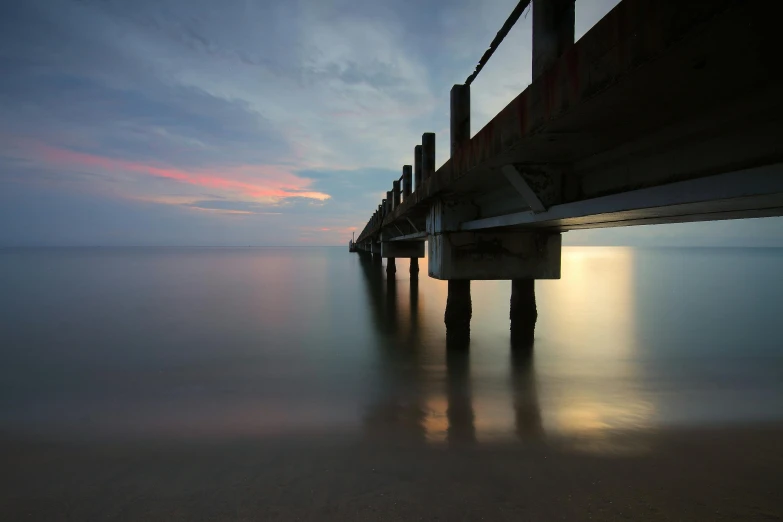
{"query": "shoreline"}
[(700, 473)]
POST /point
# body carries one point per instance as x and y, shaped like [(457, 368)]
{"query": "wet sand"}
[(701, 474)]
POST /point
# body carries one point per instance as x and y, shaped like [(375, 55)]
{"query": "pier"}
[(664, 112)]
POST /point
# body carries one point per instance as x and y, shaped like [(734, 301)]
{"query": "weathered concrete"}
[(553, 32), (495, 255), (392, 249), (523, 314)]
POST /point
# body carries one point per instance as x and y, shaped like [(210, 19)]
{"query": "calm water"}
[(226, 343)]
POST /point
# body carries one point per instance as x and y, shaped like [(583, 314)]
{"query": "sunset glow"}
[(269, 183)]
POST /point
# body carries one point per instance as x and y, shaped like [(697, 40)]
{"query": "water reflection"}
[(395, 412), (266, 342), (459, 412), (527, 413), (440, 397), (595, 337), (424, 390)]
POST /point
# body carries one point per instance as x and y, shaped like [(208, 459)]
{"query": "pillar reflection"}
[(527, 411), (395, 412), (459, 412)]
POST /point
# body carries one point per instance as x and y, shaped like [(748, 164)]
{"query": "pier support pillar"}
[(459, 310), (391, 267), (414, 271), (523, 313)]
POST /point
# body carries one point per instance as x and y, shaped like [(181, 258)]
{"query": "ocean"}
[(216, 344)]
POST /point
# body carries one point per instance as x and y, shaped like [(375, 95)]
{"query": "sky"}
[(249, 122)]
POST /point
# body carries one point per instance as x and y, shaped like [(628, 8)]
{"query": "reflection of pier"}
[(527, 414), (397, 412), (459, 412), (408, 391)]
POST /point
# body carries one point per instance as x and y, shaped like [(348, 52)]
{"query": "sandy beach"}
[(731, 473)]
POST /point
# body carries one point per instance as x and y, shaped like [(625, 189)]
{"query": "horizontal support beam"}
[(402, 249), (416, 236), (495, 255), (747, 193)]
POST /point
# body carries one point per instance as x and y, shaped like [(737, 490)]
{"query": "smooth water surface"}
[(254, 342)]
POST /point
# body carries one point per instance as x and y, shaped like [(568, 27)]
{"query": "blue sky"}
[(240, 122)]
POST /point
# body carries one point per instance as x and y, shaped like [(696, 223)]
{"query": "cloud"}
[(267, 183), (237, 207)]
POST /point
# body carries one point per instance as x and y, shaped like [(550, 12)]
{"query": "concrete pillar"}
[(391, 267), (396, 194), (459, 308), (389, 202), (417, 166), (553, 32), (427, 155), (407, 186), (523, 312), (414, 271)]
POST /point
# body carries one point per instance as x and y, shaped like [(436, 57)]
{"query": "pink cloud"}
[(259, 182)]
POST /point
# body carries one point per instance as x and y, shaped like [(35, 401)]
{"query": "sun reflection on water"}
[(579, 383)]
